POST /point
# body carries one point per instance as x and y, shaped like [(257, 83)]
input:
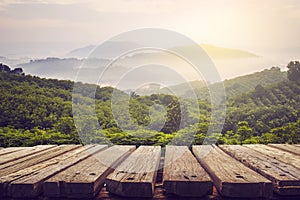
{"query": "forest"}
[(261, 108)]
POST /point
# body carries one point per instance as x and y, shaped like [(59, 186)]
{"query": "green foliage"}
[(294, 71), (247, 83), (278, 105), (288, 133), (244, 131), (39, 111), (10, 137)]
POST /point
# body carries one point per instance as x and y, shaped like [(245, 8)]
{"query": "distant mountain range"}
[(238, 85), (114, 48), (226, 53), (90, 61), (233, 87), (111, 49)]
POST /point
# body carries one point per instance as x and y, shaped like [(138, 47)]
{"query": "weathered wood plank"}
[(282, 175), (6, 180), (23, 153), (135, 177), (31, 186), (183, 175), (232, 178), (4, 151), (33, 159), (287, 147), (85, 179), (277, 154)]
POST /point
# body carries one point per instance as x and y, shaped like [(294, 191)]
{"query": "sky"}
[(252, 25), (43, 28)]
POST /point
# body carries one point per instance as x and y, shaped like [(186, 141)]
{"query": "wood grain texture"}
[(30, 160), (287, 147), (4, 151), (277, 154), (183, 175), (282, 175), (85, 179), (23, 153), (231, 178), (27, 172), (31, 186), (135, 177)]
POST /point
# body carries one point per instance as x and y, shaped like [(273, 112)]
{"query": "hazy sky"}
[(253, 25)]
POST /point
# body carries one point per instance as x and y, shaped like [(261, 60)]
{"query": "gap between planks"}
[(183, 175), (294, 149), (283, 176), (135, 177), (28, 183), (231, 177), (86, 178)]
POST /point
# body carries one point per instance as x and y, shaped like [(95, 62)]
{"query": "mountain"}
[(77, 67), (82, 52), (68, 68), (14, 61), (64, 68), (248, 82), (235, 86), (126, 74), (36, 110), (183, 88), (226, 53), (265, 108), (112, 48)]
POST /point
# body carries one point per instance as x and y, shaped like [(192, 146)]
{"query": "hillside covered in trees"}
[(261, 108)]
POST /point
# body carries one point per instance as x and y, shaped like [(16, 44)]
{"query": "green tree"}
[(259, 91), (294, 71), (173, 117), (244, 130)]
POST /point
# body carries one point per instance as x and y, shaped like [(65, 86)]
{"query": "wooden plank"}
[(231, 178), (277, 154), (85, 179), (33, 159), (23, 153), (183, 175), (4, 151), (287, 147), (288, 191), (6, 180), (31, 185), (282, 175), (135, 177)]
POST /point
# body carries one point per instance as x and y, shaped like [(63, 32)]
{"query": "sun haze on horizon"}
[(41, 28)]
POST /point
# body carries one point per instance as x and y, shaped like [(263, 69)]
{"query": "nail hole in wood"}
[(239, 176), (130, 179), (282, 175), (92, 174)]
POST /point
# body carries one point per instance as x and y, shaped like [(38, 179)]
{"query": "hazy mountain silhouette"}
[(113, 48)]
